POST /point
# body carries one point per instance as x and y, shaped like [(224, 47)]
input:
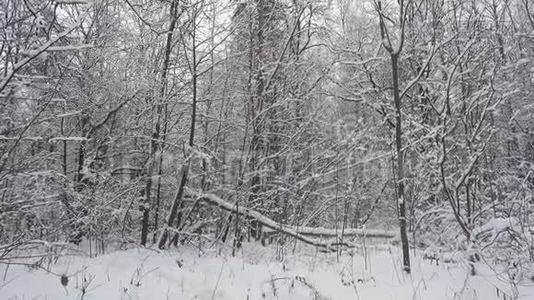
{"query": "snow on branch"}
[(321, 231), (70, 47), (425, 66), (35, 53), (69, 114), (265, 221), (301, 233), (68, 138), (26, 138), (72, 2), (491, 229)]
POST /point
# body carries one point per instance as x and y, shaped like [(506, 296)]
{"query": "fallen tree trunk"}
[(355, 232), (300, 233)]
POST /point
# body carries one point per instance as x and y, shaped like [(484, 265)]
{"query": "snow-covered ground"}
[(255, 273)]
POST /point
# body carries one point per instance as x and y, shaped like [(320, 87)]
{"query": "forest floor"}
[(255, 273)]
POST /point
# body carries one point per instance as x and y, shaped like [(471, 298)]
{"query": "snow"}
[(497, 225), (256, 273), (522, 61), (299, 232), (68, 138), (26, 138), (501, 224), (38, 51), (69, 114), (321, 231), (70, 47), (71, 2)]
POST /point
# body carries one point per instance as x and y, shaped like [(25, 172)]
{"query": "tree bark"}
[(394, 52), (154, 143), (177, 206), (400, 163)]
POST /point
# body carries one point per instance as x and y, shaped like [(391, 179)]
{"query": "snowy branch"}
[(300, 233)]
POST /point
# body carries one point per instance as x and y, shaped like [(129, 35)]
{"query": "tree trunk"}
[(154, 143), (400, 163), (177, 206)]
